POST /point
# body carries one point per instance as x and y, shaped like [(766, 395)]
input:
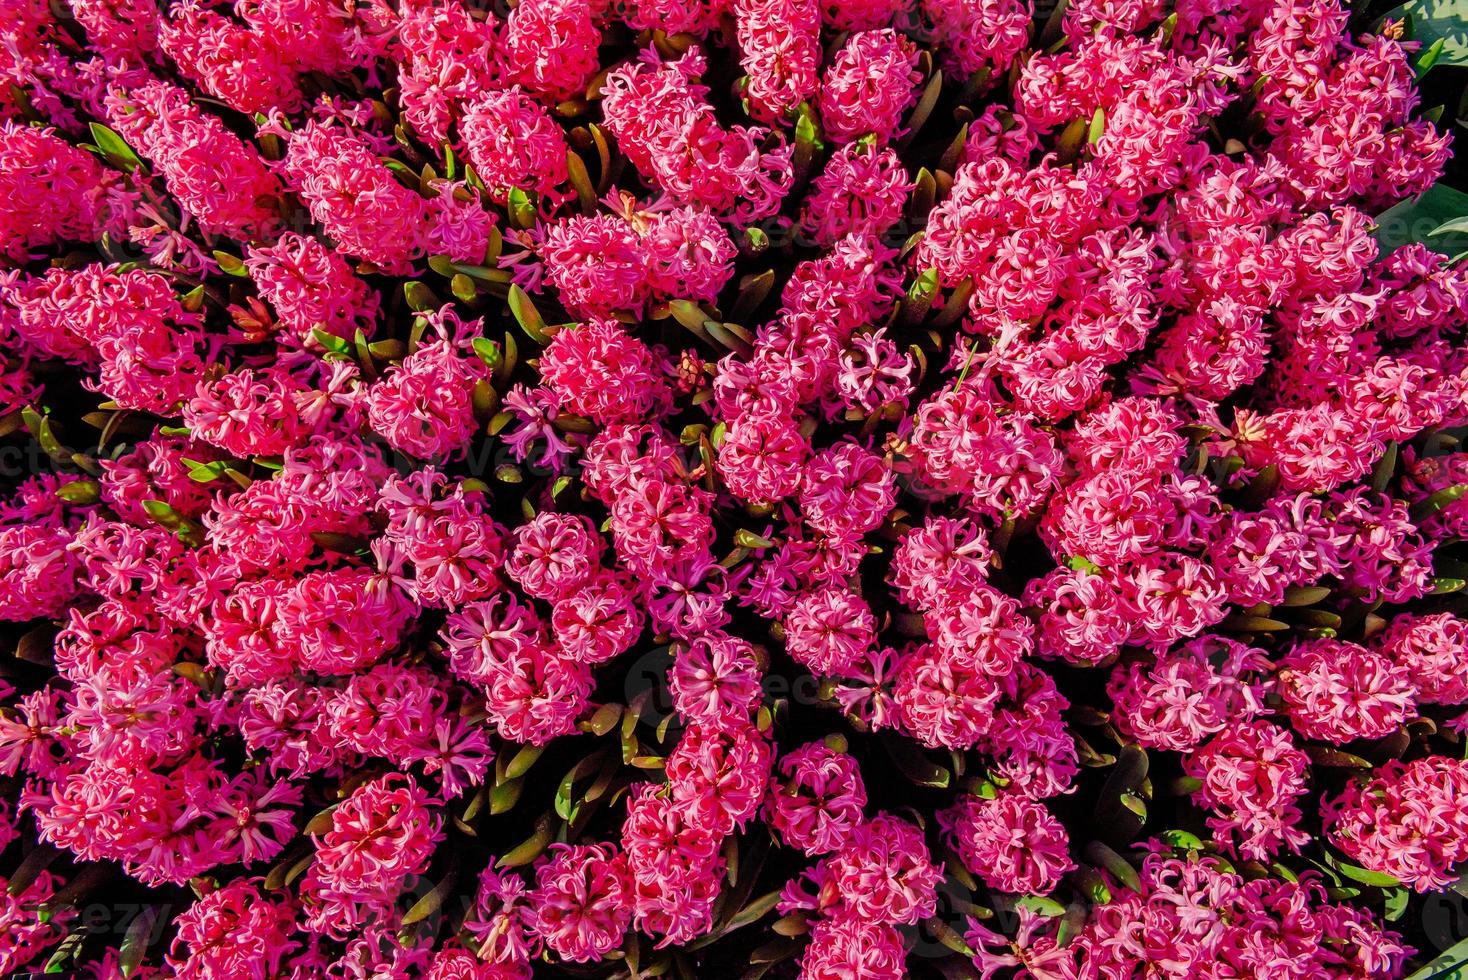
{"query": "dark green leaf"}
[(433, 901), (1437, 20), (1450, 963), (140, 935), (522, 761), (531, 848), (1416, 219), (1325, 755), (754, 911), (420, 298)]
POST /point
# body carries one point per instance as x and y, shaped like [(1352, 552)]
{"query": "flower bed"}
[(730, 489)]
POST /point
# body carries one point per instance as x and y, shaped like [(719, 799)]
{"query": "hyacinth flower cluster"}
[(842, 490)]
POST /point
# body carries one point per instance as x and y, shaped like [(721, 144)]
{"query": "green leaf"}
[(920, 296), (1047, 907), (924, 108), (1365, 876), (193, 300), (505, 795), (433, 901), (163, 514), (140, 935), (511, 357), (1376, 879), (1121, 869), (1418, 219), (66, 952), (1068, 144), (581, 182), (774, 951), (391, 349), (333, 344), (807, 138), (1244, 623), (1090, 883), (531, 848), (1325, 755), (79, 492), (197, 674), (924, 193), (565, 805), (39, 426), (205, 472), (1182, 840), (488, 351), (403, 172), (914, 765), (1131, 769), (229, 264), (118, 153), (1075, 916), (420, 298), (1386, 467), (1120, 811), (463, 288), (604, 719), (35, 647), (362, 350), (753, 289), (1430, 57), (754, 542), (948, 936), (321, 822), (955, 305), (1438, 501), (528, 316), (522, 761), (1304, 595), (1396, 904), (522, 209), (754, 911), (566, 809), (30, 868), (1447, 964), (690, 315), (1435, 21)]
